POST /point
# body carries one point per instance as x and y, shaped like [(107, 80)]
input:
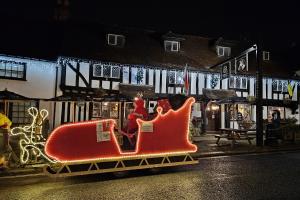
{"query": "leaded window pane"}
[(120, 40), (140, 76), (111, 39), (238, 82), (106, 71), (179, 78), (12, 69), (20, 75), (171, 77), (284, 86), (274, 85), (168, 46), (14, 74), (97, 70), (244, 83), (231, 82), (115, 72), (279, 85)]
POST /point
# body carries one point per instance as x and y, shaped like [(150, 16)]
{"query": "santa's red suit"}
[(132, 126)]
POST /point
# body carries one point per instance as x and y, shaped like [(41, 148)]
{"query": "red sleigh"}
[(78, 144)]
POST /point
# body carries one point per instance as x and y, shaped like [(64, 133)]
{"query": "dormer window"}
[(223, 51), (115, 40), (173, 46), (266, 55)]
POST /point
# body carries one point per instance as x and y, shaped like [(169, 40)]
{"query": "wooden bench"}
[(218, 136), (234, 135)]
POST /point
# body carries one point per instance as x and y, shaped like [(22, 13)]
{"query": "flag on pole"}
[(186, 81)]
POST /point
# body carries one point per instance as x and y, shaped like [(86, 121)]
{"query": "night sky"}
[(276, 23)]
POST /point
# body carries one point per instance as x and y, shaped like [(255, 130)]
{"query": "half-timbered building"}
[(100, 70)]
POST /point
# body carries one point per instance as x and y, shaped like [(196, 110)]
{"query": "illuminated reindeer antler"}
[(33, 139)]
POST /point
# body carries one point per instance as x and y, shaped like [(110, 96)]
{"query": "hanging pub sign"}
[(225, 70), (242, 63)]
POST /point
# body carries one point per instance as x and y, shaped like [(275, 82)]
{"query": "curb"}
[(228, 153), (23, 172), (37, 171)]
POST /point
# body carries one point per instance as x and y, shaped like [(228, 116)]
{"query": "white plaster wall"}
[(85, 71), (71, 75), (218, 84), (208, 78), (126, 75), (151, 73), (115, 85), (269, 82), (265, 112), (225, 84), (252, 89), (163, 81), (200, 83), (40, 79), (264, 85), (170, 90), (157, 81), (95, 83), (193, 83), (294, 98)]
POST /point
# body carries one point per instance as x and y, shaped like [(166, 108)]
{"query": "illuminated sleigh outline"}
[(167, 145)]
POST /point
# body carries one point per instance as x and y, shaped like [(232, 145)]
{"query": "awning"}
[(233, 100), (8, 95), (133, 90), (70, 98), (211, 94)]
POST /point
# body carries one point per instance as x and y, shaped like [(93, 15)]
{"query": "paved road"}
[(268, 176)]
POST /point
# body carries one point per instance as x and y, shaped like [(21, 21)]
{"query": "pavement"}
[(207, 147)]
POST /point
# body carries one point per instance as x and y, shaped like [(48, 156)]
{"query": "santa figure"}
[(137, 111)]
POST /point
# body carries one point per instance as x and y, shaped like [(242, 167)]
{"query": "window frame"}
[(176, 77), (115, 38), (264, 55), (235, 81), (22, 113), (173, 43), (223, 50), (23, 64), (283, 86), (111, 71)]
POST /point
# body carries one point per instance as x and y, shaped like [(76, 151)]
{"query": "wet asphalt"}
[(264, 176)]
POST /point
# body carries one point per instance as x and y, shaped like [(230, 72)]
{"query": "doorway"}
[(213, 117)]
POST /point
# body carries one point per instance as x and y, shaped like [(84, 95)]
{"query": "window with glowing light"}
[(106, 110), (12, 70)]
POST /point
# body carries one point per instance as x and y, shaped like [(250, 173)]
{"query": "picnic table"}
[(234, 135)]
